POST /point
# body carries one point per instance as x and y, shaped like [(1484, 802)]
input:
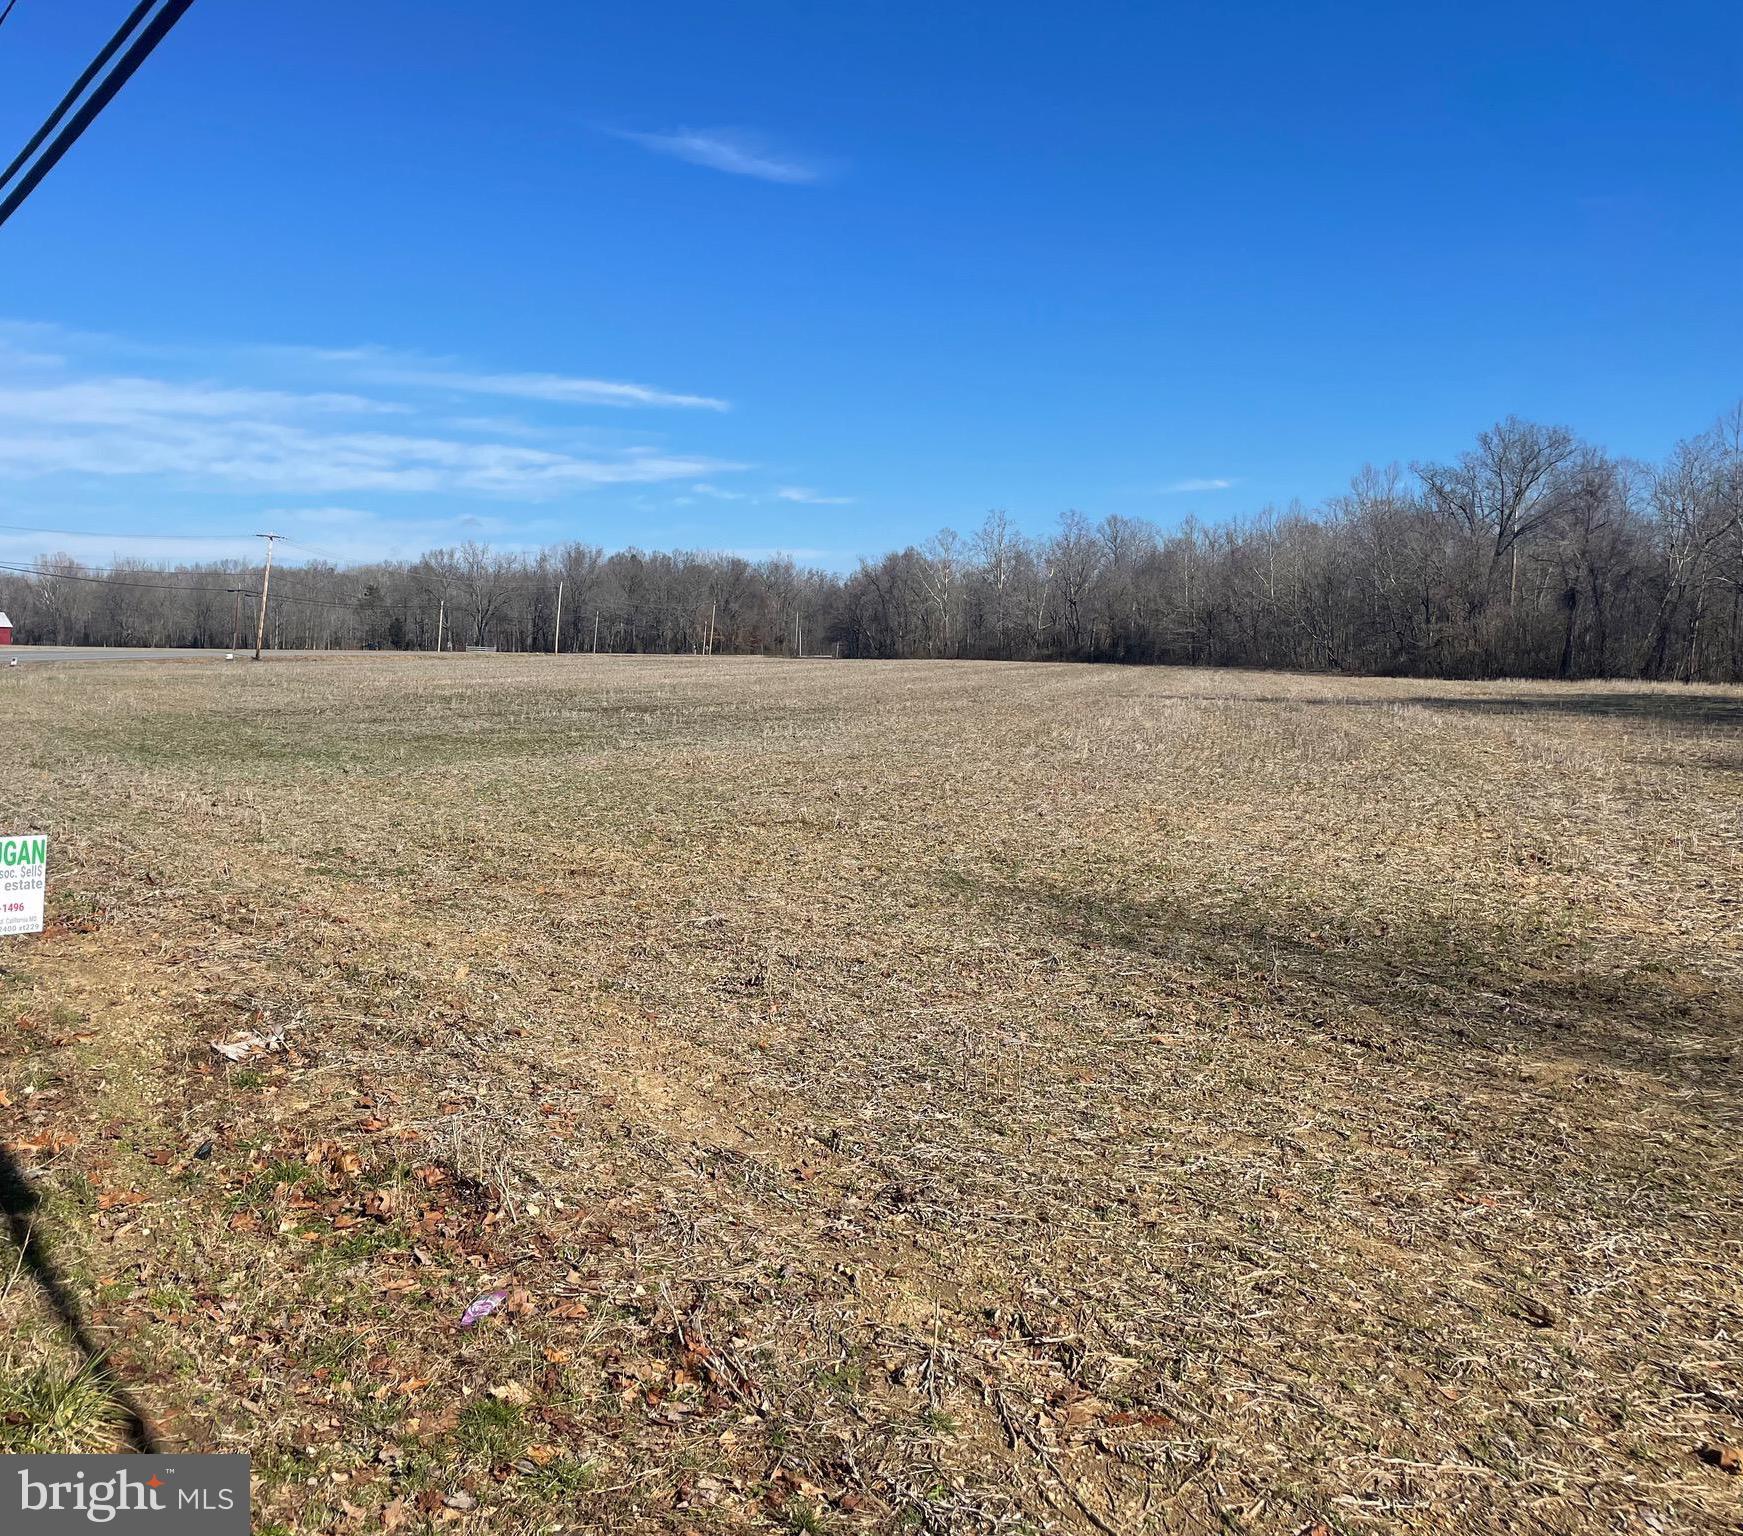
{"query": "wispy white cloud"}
[(287, 456), (733, 150), (409, 370), (121, 402), (495, 426), (202, 435), (811, 498), (1205, 483), (718, 493), (554, 388), (15, 356)]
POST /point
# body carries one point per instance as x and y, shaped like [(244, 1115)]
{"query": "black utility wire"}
[(7, 12), (137, 52), (91, 533), (109, 579), (78, 89), (115, 573), (98, 572)]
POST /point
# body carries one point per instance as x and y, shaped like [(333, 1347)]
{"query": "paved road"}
[(29, 655)]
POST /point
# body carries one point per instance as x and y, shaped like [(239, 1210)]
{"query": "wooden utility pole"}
[(236, 621), (265, 586), (595, 631), (708, 649), (441, 613), (557, 633)]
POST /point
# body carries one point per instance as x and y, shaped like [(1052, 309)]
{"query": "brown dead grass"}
[(910, 1097)]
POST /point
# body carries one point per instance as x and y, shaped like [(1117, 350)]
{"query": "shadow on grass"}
[(23, 1209), (1477, 998), (1684, 709), (1697, 709)]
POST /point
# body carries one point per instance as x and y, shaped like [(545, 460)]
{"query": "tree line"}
[(1531, 554)]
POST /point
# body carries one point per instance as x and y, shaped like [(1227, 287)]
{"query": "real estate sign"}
[(23, 878)]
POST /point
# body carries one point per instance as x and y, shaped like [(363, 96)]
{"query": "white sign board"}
[(23, 879)]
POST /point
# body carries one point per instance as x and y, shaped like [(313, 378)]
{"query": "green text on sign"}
[(23, 883)]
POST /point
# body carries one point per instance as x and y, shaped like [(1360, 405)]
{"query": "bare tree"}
[(1530, 554)]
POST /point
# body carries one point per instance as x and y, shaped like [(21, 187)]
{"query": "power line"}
[(138, 51), (104, 572), (101, 578), (89, 533), (7, 12), (109, 579), (313, 549), (78, 90), (517, 581), (180, 538)]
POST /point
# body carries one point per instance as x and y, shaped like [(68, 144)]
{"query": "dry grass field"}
[(911, 1097)]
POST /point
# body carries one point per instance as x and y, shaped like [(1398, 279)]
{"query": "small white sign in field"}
[(23, 879)]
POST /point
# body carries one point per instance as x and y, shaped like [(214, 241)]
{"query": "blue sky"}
[(825, 278)]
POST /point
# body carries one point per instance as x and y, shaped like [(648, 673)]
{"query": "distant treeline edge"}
[(1532, 554)]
